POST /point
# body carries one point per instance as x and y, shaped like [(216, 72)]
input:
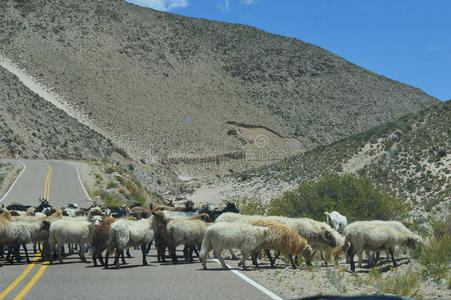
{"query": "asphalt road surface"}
[(59, 182)]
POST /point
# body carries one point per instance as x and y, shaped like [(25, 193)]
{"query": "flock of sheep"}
[(204, 229)]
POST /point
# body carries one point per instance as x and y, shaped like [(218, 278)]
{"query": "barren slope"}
[(31, 127), (160, 83)]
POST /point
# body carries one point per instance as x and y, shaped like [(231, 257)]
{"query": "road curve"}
[(75, 280)]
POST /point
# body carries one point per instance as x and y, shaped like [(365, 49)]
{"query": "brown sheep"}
[(99, 239), (284, 239)]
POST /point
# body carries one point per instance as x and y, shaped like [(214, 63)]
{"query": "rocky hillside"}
[(31, 127), (409, 157), (166, 86)]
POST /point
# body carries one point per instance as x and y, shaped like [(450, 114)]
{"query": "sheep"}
[(224, 235), (371, 237), (396, 225), (337, 221), (21, 233), (5, 219), (320, 236), (66, 231), (126, 233), (58, 214), (189, 232), (100, 234), (72, 209), (284, 239)]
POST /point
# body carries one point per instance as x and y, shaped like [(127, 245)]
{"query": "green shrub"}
[(112, 185), (435, 256), (406, 283), (356, 198), (109, 199), (251, 206)]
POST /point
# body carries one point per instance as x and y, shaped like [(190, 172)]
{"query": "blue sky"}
[(406, 40)]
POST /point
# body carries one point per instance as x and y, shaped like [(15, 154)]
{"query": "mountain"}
[(409, 157), (31, 127), (170, 88)]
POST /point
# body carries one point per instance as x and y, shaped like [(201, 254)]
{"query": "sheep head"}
[(159, 216), (328, 237), (96, 220), (45, 225), (411, 242), (306, 251), (204, 217)]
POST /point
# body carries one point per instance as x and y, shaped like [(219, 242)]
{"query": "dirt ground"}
[(338, 280)]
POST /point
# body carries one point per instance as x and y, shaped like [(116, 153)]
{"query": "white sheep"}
[(184, 232), (126, 233), (22, 233), (224, 235), (66, 231), (336, 220), (396, 225), (365, 236)]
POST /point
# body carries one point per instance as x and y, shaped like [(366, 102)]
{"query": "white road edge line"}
[(81, 183), (15, 181), (251, 282)]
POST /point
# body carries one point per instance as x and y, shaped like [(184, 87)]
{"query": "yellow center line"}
[(47, 182), (19, 279), (32, 282)]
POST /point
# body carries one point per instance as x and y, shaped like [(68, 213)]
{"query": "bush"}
[(109, 199), (356, 198), (435, 255), (112, 185), (251, 206), (406, 283)]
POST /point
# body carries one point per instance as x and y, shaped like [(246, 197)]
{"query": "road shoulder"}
[(9, 171)]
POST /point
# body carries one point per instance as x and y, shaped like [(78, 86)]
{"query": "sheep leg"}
[(185, 252), (81, 252), (243, 260), (2, 251), (254, 260), (271, 260), (144, 251), (196, 250), (128, 253), (58, 251), (351, 253), (233, 255), (116, 258), (149, 246), (106, 258), (218, 255), (392, 257), (10, 253), (94, 258), (99, 256), (293, 264), (123, 256), (173, 255), (190, 253), (26, 253)]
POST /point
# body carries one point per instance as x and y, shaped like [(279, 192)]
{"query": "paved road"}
[(61, 177), (76, 280)]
